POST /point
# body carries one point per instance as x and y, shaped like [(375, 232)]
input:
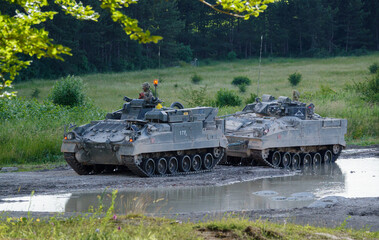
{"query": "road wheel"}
[(328, 156), (208, 161), (307, 160), (172, 165), (316, 160), (161, 166), (337, 149), (217, 152), (185, 163), (148, 166), (196, 162), (296, 161), (286, 160), (276, 159)]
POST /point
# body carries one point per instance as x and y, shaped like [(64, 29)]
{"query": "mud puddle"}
[(348, 177)]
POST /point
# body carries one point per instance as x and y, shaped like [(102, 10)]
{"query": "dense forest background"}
[(293, 28)]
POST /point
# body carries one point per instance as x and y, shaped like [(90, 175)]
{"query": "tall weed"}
[(31, 131)]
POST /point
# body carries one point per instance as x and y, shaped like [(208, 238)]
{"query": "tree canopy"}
[(22, 36)]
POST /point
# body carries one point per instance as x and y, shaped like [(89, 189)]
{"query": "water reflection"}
[(239, 196), (349, 178)]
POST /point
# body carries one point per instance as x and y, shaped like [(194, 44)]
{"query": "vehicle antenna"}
[(259, 68), (159, 61)]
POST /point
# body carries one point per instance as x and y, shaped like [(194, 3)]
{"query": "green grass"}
[(32, 132), (135, 226), (36, 136), (107, 90)]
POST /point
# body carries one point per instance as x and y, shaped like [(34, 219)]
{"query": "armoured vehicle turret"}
[(148, 141), (283, 133)]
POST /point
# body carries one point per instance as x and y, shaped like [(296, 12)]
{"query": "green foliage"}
[(294, 78), (98, 225), (251, 99), (185, 53), (373, 68), (68, 91), (20, 37), (226, 97), (241, 80), (239, 8), (35, 93), (196, 78), (32, 132), (367, 90), (242, 88), (232, 55), (196, 97)]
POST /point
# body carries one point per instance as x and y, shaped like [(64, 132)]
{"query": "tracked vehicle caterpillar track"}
[(171, 164), (278, 158), (148, 141), (282, 133)]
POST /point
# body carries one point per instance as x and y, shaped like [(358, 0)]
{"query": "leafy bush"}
[(368, 90), (241, 80), (232, 55), (242, 88), (68, 91), (196, 78), (35, 93), (196, 97), (251, 99), (227, 98), (294, 78), (373, 68)]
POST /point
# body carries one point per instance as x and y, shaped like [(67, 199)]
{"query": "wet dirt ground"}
[(325, 212)]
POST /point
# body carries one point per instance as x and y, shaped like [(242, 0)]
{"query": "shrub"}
[(251, 99), (240, 80), (35, 93), (242, 88), (294, 78), (232, 55), (68, 91), (373, 68), (196, 78), (195, 98), (368, 90), (227, 98)]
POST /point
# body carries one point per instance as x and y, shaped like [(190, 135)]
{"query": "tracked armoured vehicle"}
[(148, 141), (282, 133)]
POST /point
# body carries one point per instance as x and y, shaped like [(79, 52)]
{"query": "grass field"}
[(141, 227), (107, 90), (30, 136)]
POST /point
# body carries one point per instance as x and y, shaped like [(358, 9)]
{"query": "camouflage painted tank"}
[(148, 141), (283, 133)]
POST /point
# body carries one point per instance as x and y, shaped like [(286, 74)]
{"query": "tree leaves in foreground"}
[(21, 36)]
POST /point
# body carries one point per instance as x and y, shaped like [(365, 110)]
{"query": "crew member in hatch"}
[(146, 94)]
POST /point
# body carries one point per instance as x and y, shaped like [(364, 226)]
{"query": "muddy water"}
[(352, 177)]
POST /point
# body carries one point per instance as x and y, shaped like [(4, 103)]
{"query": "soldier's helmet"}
[(146, 85)]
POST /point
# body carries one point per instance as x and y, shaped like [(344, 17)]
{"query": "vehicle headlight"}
[(71, 136)]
